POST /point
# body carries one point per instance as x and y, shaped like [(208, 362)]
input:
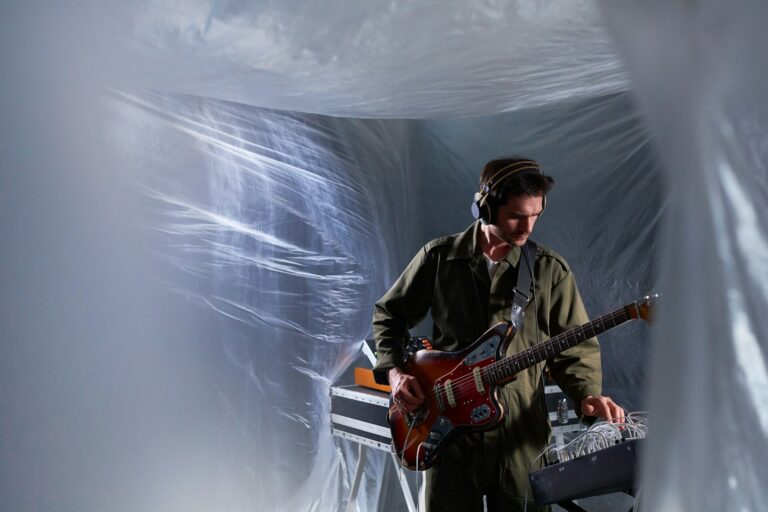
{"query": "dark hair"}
[(512, 176)]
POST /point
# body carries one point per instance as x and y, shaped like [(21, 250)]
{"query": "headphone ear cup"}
[(482, 208), (477, 206)]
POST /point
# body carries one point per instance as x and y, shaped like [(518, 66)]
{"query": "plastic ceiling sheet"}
[(394, 59), (197, 263)]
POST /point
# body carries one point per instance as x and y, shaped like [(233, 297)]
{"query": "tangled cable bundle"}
[(601, 435)]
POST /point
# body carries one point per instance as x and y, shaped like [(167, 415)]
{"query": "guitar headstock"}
[(644, 308)]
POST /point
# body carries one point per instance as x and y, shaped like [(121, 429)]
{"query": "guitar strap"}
[(521, 294)]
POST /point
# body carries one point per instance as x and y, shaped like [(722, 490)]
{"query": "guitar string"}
[(461, 384), (466, 382), (536, 351)]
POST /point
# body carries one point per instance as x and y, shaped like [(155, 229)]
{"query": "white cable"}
[(402, 457), (418, 487), (601, 435)]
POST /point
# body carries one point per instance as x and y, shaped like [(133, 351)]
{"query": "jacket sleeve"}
[(400, 309), (577, 370)]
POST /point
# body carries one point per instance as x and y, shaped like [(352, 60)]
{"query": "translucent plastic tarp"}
[(395, 59), (197, 244), (700, 69)]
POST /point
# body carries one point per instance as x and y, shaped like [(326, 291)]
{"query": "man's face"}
[(515, 219)]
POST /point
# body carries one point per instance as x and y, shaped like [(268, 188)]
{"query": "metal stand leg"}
[(570, 506), (404, 485), (352, 503)]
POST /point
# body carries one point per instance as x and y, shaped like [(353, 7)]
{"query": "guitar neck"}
[(510, 366)]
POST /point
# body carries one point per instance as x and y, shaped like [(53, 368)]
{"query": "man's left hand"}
[(602, 407)]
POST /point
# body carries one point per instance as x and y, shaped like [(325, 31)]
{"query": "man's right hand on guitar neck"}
[(406, 392)]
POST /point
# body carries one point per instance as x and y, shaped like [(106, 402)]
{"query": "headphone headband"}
[(513, 168)]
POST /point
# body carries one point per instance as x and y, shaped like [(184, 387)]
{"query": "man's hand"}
[(602, 407), (406, 392)]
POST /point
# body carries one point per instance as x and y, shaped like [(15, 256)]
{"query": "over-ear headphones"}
[(485, 204)]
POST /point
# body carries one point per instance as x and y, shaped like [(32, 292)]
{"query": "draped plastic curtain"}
[(698, 68), (202, 200)]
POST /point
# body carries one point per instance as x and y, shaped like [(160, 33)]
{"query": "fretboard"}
[(505, 368)]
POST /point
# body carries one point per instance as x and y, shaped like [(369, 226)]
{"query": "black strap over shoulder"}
[(521, 294)]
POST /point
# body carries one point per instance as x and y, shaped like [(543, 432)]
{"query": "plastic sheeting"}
[(699, 70), (195, 254), (396, 59)]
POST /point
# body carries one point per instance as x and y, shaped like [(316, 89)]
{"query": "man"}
[(466, 282)]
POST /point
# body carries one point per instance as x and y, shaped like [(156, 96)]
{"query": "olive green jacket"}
[(449, 278)]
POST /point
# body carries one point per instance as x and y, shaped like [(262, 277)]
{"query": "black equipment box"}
[(602, 472), (360, 415)]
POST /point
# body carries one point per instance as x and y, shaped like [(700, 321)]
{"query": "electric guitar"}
[(461, 387)]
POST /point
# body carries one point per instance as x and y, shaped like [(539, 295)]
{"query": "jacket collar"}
[(466, 246)]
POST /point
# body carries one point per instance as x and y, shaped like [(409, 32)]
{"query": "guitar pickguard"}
[(485, 351)]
